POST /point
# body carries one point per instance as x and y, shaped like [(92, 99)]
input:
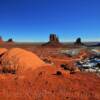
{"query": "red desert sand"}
[(20, 60), (45, 82)]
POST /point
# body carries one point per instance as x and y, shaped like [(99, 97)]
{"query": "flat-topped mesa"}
[(53, 38), (53, 41)]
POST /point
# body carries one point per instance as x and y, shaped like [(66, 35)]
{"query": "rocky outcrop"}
[(53, 41), (10, 40), (53, 38), (1, 40), (78, 42)]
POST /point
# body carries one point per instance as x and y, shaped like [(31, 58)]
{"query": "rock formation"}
[(53, 41), (78, 42), (20, 60), (53, 38), (1, 40), (10, 40)]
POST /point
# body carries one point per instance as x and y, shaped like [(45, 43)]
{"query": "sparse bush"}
[(72, 72), (65, 66), (47, 61), (98, 65), (5, 70), (58, 73)]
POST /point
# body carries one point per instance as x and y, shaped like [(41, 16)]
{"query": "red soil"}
[(2, 50), (43, 83)]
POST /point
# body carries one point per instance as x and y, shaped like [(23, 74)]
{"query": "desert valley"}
[(49, 71)]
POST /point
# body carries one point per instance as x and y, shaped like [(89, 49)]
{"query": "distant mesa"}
[(53, 41), (78, 42), (10, 40), (1, 40), (53, 38), (97, 44)]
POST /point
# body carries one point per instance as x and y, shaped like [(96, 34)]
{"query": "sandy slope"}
[(20, 60)]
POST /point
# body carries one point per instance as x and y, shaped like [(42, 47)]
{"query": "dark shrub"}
[(58, 73), (98, 65), (65, 66), (4, 70)]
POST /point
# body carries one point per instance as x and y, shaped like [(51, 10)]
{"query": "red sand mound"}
[(17, 59), (2, 50)]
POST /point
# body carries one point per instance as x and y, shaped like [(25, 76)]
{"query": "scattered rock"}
[(72, 72), (47, 61), (65, 66)]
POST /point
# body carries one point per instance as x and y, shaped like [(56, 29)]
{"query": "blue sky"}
[(34, 20)]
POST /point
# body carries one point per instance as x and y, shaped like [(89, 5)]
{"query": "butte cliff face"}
[(78, 42), (53, 41), (53, 38), (10, 40)]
